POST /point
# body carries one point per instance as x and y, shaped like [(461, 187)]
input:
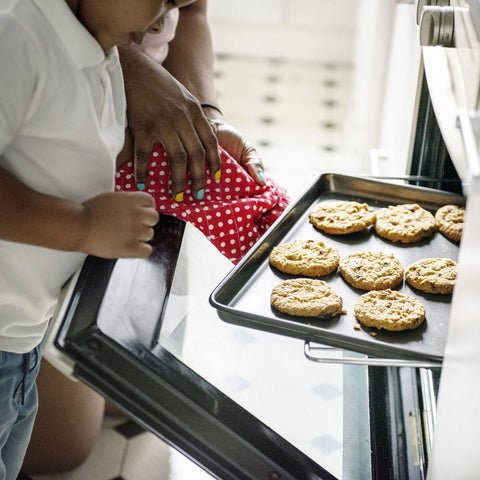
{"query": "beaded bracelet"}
[(208, 105)]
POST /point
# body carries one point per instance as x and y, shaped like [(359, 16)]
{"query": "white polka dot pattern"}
[(234, 213)]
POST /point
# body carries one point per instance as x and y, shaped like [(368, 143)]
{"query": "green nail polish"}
[(141, 186), (200, 194), (261, 175)]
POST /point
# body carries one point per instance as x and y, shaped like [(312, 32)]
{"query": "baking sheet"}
[(243, 297)]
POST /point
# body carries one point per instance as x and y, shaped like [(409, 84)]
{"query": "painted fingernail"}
[(217, 175), (179, 197), (141, 186), (200, 194), (261, 176)]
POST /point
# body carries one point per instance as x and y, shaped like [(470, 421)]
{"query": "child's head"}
[(123, 22)]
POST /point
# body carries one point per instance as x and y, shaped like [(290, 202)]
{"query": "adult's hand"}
[(161, 109), (231, 140)]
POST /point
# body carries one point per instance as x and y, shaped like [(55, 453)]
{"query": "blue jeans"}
[(18, 407)]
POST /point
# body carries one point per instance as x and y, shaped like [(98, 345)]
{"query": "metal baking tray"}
[(243, 297)]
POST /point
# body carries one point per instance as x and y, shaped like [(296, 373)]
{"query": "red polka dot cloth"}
[(234, 213)]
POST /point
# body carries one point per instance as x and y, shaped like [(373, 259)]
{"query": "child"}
[(62, 123)]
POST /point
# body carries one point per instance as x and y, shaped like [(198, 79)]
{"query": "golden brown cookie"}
[(390, 310), (449, 219), (371, 270), (306, 297), (432, 275), (339, 218), (305, 257), (406, 223)]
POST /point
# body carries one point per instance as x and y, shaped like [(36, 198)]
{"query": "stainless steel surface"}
[(453, 77), (437, 26), (344, 358), (425, 3), (469, 133), (243, 297), (428, 407), (474, 9)]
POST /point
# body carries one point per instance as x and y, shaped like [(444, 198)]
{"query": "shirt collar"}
[(80, 44)]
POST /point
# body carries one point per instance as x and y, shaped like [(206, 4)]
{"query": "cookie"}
[(390, 310), (371, 270), (406, 223), (449, 220), (432, 275), (311, 258), (306, 297), (339, 218)]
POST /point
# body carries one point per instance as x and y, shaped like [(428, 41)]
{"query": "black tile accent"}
[(273, 78), (329, 103), (129, 429), (224, 56), (267, 120), (330, 66), (118, 478), (330, 83), (328, 148), (270, 98), (277, 60), (329, 125)]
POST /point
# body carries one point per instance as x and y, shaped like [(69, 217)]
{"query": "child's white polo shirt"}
[(62, 122)]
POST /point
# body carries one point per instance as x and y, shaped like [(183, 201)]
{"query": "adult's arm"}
[(191, 56), (164, 106), (191, 61), (161, 109)]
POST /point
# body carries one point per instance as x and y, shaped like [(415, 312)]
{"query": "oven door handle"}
[(324, 355)]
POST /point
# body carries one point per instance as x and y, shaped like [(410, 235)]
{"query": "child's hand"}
[(119, 224)]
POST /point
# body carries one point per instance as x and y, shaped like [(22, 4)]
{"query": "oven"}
[(249, 399)]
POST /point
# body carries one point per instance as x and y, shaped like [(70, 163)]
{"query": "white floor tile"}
[(181, 468), (146, 458)]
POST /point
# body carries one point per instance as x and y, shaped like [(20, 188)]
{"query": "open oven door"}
[(240, 403), (124, 327)]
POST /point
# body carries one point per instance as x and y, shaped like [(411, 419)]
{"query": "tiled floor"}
[(295, 114)]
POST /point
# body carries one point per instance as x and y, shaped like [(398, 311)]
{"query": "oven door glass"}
[(241, 403)]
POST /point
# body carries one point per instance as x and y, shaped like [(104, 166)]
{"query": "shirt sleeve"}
[(18, 77)]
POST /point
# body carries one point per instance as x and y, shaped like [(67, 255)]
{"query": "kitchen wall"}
[(320, 30)]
